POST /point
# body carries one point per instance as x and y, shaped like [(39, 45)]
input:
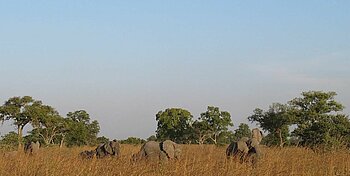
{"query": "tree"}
[(174, 124), (276, 120), (48, 123), (242, 131), (80, 131), (18, 109), (318, 119), (9, 140), (225, 137), (211, 123), (201, 131), (133, 140), (102, 140), (152, 138)]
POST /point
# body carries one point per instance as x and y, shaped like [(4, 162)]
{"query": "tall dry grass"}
[(196, 160)]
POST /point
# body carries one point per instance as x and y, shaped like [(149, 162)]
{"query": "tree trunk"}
[(62, 141), (280, 136), (20, 130), (214, 139)]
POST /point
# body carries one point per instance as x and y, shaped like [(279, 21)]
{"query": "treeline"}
[(314, 119), (49, 127)]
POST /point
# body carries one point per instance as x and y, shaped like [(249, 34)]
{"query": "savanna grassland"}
[(196, 160)]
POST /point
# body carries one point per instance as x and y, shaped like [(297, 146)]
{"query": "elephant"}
[(87, 154), (158, 151), (111, 148), (31, 147), (246, 149)]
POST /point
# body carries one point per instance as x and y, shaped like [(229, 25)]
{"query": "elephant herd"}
[(245, 150), (151, 150)]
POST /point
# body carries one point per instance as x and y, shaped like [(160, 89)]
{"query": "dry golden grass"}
[(196, 160)]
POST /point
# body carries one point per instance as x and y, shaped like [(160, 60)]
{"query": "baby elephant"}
[(155, 151), (87, 154), (111, 148), (31, 147)]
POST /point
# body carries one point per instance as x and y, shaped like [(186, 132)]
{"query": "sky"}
[(123, 61)]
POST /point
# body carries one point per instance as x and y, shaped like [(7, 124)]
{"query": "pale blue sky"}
[(123, 61)]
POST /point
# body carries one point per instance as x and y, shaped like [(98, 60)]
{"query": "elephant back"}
[(170, 148), (108, 148), (151, 148)]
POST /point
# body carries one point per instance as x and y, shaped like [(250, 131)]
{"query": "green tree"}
[(33, 135), (242, 131), (152, 138), (102, 140), (276, 120), (48, 123), (318, 119), (201, 132), (19, 109), (225, 137), (9, 140), (133, 140), (212, 123), (174, 124), (80, 131)]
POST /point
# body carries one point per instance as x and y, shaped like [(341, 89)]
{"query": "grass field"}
[(196, 160)]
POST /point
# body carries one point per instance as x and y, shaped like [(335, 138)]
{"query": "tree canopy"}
[(319, 119), (174, 124), (211, 124), (276, 120)]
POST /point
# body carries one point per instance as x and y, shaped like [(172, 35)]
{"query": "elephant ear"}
[(177, 151), (243, 144), (108, 148), (115, 147), (168, 147), (257, 134), (253, 143)]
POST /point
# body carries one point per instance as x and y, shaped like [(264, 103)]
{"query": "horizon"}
[(123, 62)]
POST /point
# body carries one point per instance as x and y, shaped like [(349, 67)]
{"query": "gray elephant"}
[(31, 147), (111, 148), (158, 151), (87, 154), (246, 149)]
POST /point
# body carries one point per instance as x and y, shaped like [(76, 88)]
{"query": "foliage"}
[(49, 123), (318, 120), (174, 124), (80, 131), (211, 124), (273, 139), (242, 131), (152, 138), (34, 135), (102, 140), (276, 120), (133, 140), (225, 137), (9, 140), (19, 109)]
